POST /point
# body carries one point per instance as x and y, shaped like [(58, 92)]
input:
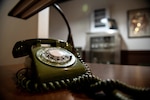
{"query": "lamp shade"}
[(27, 8)]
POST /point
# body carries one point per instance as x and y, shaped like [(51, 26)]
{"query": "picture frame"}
[(96, 17), (138, 23)]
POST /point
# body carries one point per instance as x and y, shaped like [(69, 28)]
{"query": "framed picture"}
[(138, 23), (96, 18)]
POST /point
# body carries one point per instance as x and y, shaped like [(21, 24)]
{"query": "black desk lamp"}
[(27, 8)]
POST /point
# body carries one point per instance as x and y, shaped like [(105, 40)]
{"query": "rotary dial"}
[(56, 56)]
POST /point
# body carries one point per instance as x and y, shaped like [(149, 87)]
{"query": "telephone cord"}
[(86, 83)]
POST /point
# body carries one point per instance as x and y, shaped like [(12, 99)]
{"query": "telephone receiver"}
[(23, 48), (55, 64)]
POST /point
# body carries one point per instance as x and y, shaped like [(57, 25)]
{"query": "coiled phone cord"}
[(86, 83)]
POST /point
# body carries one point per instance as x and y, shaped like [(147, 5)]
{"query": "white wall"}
[(43, 23), (78, 13), (12, 30)]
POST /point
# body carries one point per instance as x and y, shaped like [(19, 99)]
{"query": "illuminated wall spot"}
[(85, 8)]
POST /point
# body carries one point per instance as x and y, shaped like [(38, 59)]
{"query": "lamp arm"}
[(69, 40)]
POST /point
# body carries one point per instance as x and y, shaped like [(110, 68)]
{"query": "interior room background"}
[(78, 13)]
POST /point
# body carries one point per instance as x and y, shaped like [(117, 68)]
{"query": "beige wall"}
[(12, 30), (79, 18)]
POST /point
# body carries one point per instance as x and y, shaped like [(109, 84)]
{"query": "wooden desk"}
[(133, 75)]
